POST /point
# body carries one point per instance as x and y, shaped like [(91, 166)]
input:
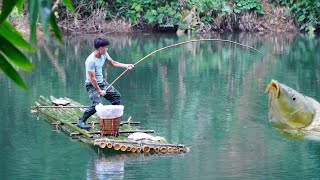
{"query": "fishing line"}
[(178, 44)]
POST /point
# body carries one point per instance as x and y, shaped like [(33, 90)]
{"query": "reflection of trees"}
[(54, 60)]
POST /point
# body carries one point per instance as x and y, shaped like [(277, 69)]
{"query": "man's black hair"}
[(100, 42)]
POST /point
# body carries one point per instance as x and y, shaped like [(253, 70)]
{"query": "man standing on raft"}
[(95, 84)]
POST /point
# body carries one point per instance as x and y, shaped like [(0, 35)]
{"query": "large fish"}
[(291, 110)]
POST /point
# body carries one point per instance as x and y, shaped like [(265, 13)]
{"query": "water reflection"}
[(111, 165), (208, 95)]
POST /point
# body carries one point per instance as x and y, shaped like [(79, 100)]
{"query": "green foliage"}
[(11, 57), (150, 11), (7, 7), (206, 6), (167, 15), (135, 12), (307, 12), (14, 14), (248, 5)]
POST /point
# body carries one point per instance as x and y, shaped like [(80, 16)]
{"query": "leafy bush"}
[(248, 5), (165, 15), (14, 14), (307, 12)]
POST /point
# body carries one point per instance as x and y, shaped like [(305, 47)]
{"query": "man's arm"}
[(92, 76), (116, 64)]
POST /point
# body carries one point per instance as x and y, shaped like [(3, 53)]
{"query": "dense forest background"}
[(200, 16)]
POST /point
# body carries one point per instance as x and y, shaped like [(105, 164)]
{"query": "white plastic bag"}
[(109, 111)]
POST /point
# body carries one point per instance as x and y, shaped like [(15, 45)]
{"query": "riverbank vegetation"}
[(199, 16)]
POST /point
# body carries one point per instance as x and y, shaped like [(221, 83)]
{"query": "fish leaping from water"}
[(292, 111)]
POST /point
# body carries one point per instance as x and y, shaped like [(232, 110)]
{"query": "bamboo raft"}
[(65, 114)]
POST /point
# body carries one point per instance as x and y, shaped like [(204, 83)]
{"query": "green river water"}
[(208, 95)]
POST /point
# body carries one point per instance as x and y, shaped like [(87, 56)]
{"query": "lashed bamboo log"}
[(121, 132), (123, 147), (175, 149), (80, 131), (151, 149), (61, 107), (139, 143), (138, 150), (156, 149), (133, 149), (109, 145), (145, 149), (103, 145), (163, 149), (96, 122), (116, 146)]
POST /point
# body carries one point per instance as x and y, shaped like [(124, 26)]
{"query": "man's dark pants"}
[(112, 95)]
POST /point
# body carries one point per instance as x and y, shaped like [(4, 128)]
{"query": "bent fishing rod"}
[(178, 44)]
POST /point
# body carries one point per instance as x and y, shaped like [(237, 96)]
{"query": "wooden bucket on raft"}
[(110, 127)]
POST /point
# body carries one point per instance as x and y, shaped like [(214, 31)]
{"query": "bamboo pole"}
[(145, 149), (116, 146), (109, 145), (53, 115), (61, 107), (67, 114), (156, 149), (133, 149), (139, 143), (178, 44), (163, 149), (175, 149), (123, 147), (103, 145), (80, 131), (120, 132), (138, 149), (151, 149), (96, 122)]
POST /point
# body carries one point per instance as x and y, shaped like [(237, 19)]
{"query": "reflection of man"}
[(111, 168), (95, 84)]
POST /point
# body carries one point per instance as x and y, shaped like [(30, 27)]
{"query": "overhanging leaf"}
[(14, 37), (20, 5), (33, 14), (301, 18), (55, 27), (44, 14), (7, 6), (69, 5), (14, 55), (7, 68)]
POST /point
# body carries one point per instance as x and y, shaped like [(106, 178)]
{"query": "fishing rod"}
[(178, 44)]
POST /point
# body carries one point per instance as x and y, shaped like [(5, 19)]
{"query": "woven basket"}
[(110, 127)]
